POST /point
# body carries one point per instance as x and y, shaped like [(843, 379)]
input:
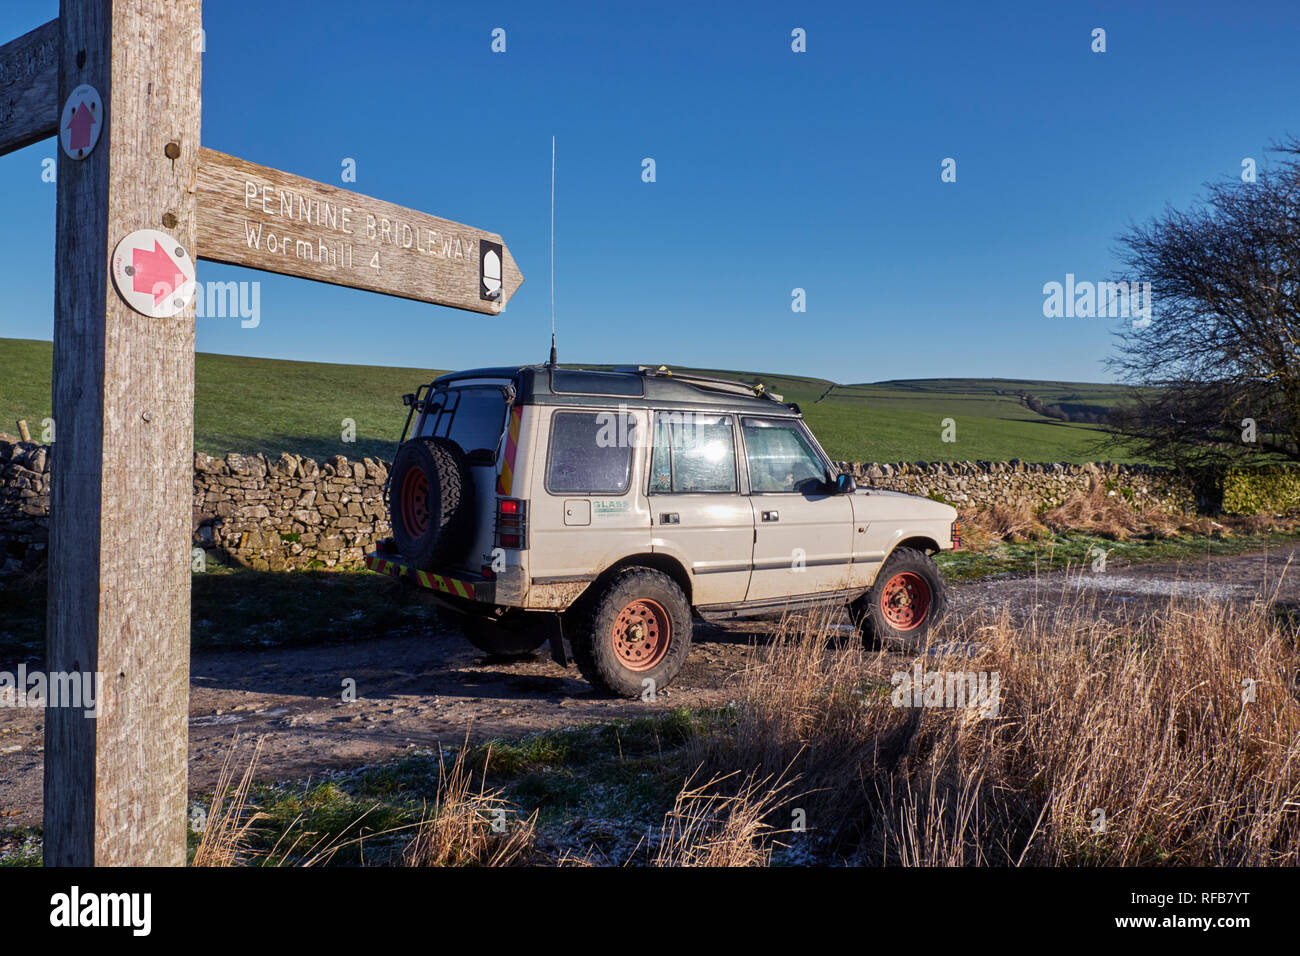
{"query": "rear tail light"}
[(512, 524), (956, 535)]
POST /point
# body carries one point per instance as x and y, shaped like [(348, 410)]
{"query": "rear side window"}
[(692, 454), (591, 453), (471, 417)]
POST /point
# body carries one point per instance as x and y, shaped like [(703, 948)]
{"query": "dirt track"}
[(417, 689)]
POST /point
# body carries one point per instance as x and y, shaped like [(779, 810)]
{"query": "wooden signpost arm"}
[(262, 218), (119, 575), (29, 108)]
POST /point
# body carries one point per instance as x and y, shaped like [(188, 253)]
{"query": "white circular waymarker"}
[(153, 273), (82, 119)]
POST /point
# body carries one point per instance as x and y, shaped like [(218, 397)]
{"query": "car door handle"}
[(771, 516), (670, 517)]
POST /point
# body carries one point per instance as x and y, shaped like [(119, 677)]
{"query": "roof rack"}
[(756, 390)]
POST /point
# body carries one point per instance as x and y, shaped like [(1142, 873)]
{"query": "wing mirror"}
[(845, 485)]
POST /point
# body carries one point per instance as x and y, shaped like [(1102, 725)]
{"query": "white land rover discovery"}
[(612, 508)]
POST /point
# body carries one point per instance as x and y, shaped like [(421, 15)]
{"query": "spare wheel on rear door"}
[(431, 502)]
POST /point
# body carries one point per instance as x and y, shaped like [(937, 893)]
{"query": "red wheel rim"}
[(641, 634), (415, 503), (905, 601)]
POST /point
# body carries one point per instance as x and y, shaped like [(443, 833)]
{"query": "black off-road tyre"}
[(431, 502), (634, 634), (513, 635), (907, 598)]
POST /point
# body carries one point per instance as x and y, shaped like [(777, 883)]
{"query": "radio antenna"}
[(553, 361)]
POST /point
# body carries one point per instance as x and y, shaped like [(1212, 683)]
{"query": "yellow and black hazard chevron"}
[(506, 480), (426, 579)]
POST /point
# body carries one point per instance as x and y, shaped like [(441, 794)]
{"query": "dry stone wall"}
[(292, 512), (270, 515), (974, 485)]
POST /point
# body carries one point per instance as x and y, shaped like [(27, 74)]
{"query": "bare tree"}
[(1223, 344)]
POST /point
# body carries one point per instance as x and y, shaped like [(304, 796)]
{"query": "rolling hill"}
[(270, 405)]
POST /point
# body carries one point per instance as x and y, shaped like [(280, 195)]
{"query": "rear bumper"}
[(451, 585)]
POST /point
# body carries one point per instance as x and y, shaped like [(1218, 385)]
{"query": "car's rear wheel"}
[(431, 502), (515, 634), (634, 636), (907, 598)]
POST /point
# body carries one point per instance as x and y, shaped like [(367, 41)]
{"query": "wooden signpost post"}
[(138, 201)]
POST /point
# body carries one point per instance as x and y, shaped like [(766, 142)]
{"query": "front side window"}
[(591, 453), (692, 454), (781, 459)]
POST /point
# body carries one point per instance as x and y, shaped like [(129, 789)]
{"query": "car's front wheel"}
[(908, 596), (635, 635)]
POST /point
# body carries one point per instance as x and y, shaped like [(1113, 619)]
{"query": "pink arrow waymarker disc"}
[(153, 273), (81, 121)]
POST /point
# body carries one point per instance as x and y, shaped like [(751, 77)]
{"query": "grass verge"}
[(581, 795)]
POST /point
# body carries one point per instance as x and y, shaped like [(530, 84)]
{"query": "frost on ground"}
[(1132, 584)]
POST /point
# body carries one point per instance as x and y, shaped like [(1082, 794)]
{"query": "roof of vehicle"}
[(637, 387)]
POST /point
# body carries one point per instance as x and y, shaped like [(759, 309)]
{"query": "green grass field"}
[(902, 421), (248, 404), (267, 405)]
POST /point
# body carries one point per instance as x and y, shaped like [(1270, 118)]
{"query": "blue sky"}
[(775, 170)]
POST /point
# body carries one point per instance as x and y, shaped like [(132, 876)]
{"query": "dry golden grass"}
[(1001, 523), (1154, 729), (1258, 524), (1143, 725), (801, 706), (1103, 513), (467, 827), (229, 821), (470, 827), (708, 826)]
